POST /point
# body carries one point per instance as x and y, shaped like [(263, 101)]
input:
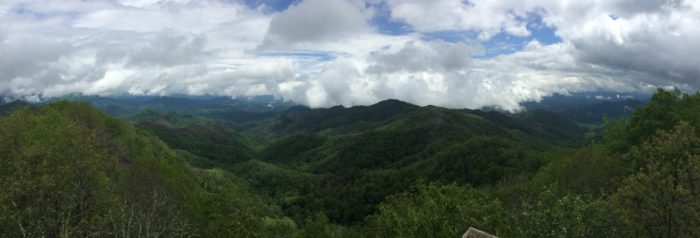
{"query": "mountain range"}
[(266, 168)]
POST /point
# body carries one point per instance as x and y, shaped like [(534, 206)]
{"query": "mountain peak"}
[(393, 102)]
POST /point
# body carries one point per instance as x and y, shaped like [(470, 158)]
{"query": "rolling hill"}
[(367, 171), (69, 170)]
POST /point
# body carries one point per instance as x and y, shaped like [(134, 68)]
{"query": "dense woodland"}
[(391, 169)]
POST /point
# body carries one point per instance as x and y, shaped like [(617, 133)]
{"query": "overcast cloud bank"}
[(328, 52)]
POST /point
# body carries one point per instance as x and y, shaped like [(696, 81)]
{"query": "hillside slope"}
[(69, 170), (6, 108), (359, 155), (386, 170)]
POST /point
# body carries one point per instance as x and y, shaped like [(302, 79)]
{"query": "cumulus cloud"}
[(486, 17), (419, 73), (136, 47), (328, 52), (168, 49), (417, 56), (655, 37), (314, 21), (659, 41)]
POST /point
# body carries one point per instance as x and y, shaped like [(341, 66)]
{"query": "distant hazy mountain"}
[(590, 108), (240, 109), (6, 108)]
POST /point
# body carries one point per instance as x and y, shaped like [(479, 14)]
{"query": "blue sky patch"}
[(385, 24), (499, 44), (543, 33), (271, 5), (503, 43)]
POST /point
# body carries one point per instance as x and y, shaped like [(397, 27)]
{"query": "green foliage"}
[(317, 226), (480, 160), (570, 215), (70, 171), (304, 120), (548, 125), (436, 210), (286, 186), (291, 149), (195, 161), (663, 112), (387, 170), (215, 142), (586, 171), (171, 120), (7, 108), (361, 155), (232, 210), (663, 198)]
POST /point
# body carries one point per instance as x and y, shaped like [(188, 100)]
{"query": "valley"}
[(385, 170)]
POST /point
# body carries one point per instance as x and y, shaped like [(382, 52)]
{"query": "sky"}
[(321, 53)]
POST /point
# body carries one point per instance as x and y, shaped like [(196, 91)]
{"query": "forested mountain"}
[(6, 108), (391, 169), (239, 113), (71, 171), (590, 108), (211, 140), (358, 157)]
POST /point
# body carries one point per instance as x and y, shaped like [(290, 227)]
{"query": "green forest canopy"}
[(68, 170)]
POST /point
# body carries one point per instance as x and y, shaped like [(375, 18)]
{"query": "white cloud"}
[(487, 17), (660, 42), (417, 56), (421, 72), (314, 21), (655, 37), (139, 47), (224, 47)]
